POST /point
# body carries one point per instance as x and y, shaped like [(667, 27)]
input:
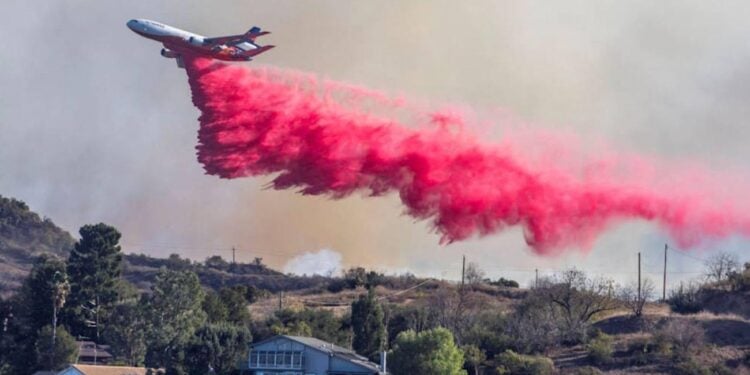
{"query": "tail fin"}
[(253, 33)]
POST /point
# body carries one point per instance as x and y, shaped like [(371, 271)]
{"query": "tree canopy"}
[(94, 268), (126, 332), (428, 352), (63, 353), (175, 307), (368, 326), (217, 347)]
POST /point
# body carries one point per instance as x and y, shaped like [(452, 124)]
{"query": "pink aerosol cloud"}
[(333, 139)]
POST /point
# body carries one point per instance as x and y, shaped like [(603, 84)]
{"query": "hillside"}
[(24, 235), (215, 273)]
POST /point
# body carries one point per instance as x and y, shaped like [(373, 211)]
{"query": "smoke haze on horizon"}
[(666, 79)]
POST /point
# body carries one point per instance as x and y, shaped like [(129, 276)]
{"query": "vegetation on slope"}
[(168, 312), (24, 235)]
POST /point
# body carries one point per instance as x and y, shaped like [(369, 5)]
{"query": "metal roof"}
[(328, 348), (109, 370)]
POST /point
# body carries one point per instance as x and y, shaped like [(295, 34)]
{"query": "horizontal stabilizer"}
[(257, 51), (249, 36)]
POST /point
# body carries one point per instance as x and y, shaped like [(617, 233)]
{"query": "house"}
[(296, 355), (102, 370), (89, 353)]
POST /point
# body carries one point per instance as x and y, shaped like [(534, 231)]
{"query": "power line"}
[(693, 257), (207, 249), (500, 269)]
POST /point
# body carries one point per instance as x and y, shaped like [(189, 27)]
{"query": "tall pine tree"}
[(368, 326), (94, 268)]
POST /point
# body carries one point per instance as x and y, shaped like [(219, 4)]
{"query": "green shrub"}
[(690, 367), (513, 363), (507, 283), (427, 352), (721, 369), (680, 338), (337, 285), (600, 349), (661, 343), (642, 352), (587, 370), (686, 299), (740, 281)]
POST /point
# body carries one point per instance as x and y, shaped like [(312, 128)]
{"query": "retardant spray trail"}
[(318, 138)]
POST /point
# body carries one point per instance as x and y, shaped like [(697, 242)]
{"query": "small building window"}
[(288, 359)]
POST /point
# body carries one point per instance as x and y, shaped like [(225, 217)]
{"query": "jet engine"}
[(168, 54), (196, 41)]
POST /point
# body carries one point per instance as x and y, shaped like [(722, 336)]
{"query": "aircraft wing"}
[(246, 37)]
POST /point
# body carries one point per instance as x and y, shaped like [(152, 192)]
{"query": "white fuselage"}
[(159, 31)]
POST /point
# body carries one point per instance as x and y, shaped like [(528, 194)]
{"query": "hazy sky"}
[(97, 126)]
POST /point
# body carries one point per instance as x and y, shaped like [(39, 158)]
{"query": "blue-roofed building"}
[(296, 355)]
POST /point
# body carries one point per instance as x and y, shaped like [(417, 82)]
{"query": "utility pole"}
[(463, 272), (54, 325), (536, 277), (664, 282), (57, 300), (639, 276), (281, 300), (233, 259), (54, 328), (96, 344)]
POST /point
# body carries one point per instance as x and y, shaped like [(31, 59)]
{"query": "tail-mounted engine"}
[(168, 54), (196, 41)]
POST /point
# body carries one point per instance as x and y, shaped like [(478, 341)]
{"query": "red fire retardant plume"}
[(318, 137)]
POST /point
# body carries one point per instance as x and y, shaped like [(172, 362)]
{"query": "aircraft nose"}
[(132, 24)]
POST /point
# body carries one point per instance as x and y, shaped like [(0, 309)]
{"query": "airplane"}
[(178, 42)]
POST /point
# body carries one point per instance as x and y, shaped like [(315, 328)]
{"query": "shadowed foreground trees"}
[(368, 326), (94, 268), (474, 357), (175, 308), (217, 347), (322, 324), (126, 332), (63, 353), (29, 312)]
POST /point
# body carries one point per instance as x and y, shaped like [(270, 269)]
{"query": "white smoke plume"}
[(324, 262)]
